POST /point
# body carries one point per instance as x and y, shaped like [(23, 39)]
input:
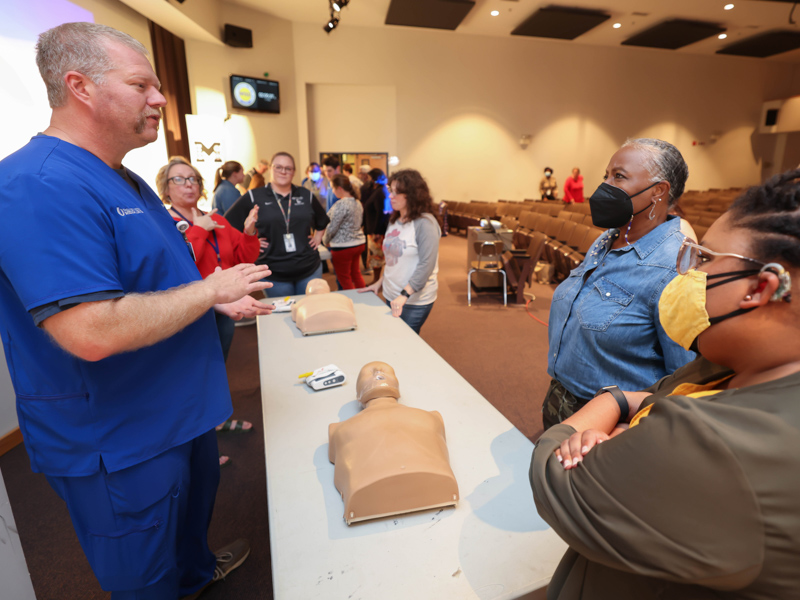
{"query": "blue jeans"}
[(144, 528), (414, 316), (280, 289)]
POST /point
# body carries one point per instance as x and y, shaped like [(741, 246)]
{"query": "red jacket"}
[(573, 190), (234, 246)]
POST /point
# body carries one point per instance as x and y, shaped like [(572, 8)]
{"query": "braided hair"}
[(772, 211)]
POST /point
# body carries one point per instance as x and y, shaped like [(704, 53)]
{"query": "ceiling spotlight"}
[(494, 13), (331, 25), (617, 25), (722, 36), (728, 6)]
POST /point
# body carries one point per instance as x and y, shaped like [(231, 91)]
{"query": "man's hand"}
[(245, 308), (205, 221), (232, 284)]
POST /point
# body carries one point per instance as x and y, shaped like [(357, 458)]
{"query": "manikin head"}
[(376, 380), (317, 286)]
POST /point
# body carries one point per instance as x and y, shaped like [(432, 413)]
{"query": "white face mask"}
[(315, 176), (547, 173)]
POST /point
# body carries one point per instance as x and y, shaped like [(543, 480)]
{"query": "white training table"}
[(492, 545)]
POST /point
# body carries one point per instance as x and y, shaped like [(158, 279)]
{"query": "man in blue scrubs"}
[(108, 329)]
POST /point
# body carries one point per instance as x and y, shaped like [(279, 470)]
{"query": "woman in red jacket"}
[(214, 242)]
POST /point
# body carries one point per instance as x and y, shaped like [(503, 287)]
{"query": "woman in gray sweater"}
[(344, 237)]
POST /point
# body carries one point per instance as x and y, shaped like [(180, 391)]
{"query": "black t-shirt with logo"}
[(306, 215)]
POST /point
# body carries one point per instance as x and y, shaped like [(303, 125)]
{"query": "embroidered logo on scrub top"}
[(124, 212), (393, 247)]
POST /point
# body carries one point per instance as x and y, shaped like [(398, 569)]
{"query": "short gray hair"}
[(77, 47), (663, 162)]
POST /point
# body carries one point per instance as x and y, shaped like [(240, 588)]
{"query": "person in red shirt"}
[(215, 243), (573, 187)]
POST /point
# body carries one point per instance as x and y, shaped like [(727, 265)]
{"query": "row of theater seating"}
[(462, 215), (561, 234), (701, 209), (562, 240)]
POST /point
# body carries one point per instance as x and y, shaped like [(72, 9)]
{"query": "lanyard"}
[(286, 217), (214, 244)]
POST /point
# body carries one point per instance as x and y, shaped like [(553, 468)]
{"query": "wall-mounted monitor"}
[(259, 95)]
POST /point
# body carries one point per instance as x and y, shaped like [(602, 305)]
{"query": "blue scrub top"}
[(73, 228)]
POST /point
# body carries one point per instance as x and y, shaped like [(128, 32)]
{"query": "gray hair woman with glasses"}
[(699, 497), (604, 326), (214, 242)]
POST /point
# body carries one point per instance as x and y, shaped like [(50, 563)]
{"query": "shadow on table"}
[(502, 522)]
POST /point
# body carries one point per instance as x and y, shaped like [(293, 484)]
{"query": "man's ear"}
[(79, 86), (762, 291)]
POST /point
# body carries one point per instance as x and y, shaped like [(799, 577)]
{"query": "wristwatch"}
[(624, 408), (403, 292)]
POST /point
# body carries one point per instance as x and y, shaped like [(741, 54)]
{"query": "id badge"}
[(191, 251), (288, 242)]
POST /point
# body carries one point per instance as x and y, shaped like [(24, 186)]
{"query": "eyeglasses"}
[(178, 180), (280, 169), (691, 256)]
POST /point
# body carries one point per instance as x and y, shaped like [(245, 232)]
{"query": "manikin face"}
[(129, 103), (187, 194), (317, 286), (376, 380)]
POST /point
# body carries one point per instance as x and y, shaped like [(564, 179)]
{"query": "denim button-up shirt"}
[(604, 325)]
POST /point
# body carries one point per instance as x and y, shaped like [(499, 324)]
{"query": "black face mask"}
[(612, 207)]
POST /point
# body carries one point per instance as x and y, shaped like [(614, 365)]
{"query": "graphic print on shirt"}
[(393, 247)]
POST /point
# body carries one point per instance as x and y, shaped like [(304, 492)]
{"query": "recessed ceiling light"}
[(495, 13), (728, 6), (617, 25), (722, 36)]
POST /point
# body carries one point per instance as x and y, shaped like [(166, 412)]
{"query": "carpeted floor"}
[(500, 350)]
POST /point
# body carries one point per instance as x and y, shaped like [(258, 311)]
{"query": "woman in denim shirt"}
[(604, 326)]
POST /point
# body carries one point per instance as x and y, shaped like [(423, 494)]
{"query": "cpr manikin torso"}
[(390, 459), (323, 312)]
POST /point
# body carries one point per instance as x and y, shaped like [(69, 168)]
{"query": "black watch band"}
[(622, 401), (403, 292)]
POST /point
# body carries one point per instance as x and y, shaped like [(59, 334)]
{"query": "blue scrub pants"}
[(144, 529), (280, 289)]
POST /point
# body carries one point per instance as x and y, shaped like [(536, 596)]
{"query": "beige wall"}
[(249, 136), (463, 102), (351, 118)]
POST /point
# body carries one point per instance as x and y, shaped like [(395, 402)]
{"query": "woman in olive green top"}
[(700, 496)]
